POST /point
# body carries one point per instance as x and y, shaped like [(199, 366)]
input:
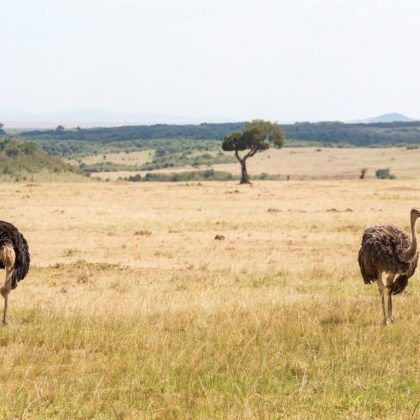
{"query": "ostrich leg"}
[(389, 282), (381, 288), (5, 290)]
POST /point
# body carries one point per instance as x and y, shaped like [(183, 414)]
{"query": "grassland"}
[(133, 310), (312, 163)]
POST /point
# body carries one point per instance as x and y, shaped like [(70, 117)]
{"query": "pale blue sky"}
[(239, 59)]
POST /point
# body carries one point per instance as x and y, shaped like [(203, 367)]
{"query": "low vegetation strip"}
[(162, 160), (207, 175)]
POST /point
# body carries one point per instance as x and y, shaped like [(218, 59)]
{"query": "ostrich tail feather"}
[(399, 285), (22, 261), (368, 276), (11, 237)]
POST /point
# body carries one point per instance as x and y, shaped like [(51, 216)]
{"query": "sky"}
[(284, 60)]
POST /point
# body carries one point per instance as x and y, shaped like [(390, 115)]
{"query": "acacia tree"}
[(257, 136)]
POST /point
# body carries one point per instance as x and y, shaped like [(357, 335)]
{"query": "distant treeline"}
[(327, 133), (375, 134), (139, 132)]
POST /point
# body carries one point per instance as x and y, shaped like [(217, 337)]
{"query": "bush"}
[(12, 151), (384, 174), (29, 148), (134, 178)]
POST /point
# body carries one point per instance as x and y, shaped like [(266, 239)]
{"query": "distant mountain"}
[(14, 115), (386, 118), (93, 117)]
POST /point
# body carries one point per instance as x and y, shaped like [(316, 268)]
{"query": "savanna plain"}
[(133, 310)]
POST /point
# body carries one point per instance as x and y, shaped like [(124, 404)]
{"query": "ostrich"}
[(14, 257), (387, 249)]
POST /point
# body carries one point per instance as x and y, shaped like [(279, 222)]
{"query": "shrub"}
[(384, 174), (134, 178), (29, 148), (12, 151)]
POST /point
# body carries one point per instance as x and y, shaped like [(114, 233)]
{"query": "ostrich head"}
[(415, 214)]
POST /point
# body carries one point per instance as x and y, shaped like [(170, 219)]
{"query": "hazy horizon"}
[(91, 117), (282, 60)]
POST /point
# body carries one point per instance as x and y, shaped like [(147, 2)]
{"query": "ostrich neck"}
[(411, 252)]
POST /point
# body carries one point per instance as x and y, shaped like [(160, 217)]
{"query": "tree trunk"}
[(244, 173)]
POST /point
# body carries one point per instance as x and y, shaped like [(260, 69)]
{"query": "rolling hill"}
[(386, 118), (19, 159)]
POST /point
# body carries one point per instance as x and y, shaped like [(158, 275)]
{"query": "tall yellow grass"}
[(132, 309)]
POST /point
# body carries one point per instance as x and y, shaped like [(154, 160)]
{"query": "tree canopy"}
[(257, 136)]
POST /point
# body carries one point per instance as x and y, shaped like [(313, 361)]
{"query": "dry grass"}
[(132, 158), (323, 163), (132, 309), (47, 176), (316, 163)]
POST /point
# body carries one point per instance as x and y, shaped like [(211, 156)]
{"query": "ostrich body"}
[(14, 257), (387, 249)]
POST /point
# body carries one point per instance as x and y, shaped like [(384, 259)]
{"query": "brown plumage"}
[(14, 258), (387, 249)]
